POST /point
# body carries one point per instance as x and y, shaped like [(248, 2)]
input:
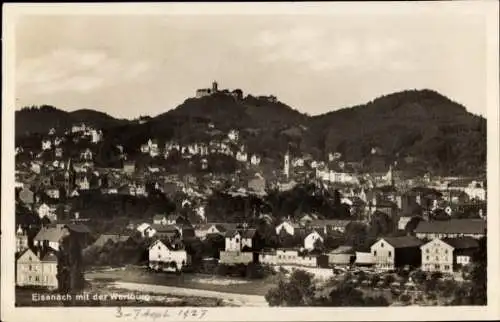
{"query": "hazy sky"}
[(136, 65)]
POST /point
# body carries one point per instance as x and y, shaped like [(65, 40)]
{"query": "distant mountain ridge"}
[(415, 128)]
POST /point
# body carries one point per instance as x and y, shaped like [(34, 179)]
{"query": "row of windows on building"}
[(37, 278), (437, 267)]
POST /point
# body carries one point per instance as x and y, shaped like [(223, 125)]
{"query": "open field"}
[(187, 280)]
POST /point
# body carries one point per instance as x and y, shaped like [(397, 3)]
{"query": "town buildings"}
[(163, 255), (33, 270), (394, 252), (452, 228), (447, 254)]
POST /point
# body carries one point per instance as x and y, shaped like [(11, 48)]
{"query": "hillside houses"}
[(247, 204)]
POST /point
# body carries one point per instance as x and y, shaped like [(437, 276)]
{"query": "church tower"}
[(215, 88), (286, 165), (69, 177), (389, 177)]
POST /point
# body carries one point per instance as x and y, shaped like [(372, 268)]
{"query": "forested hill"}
[(38, 120), (421, 129)]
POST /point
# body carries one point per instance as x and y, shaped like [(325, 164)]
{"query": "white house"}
[(36, 167), (444, 255), (58, 141), (288, 227), (33, 271), (236, 241), (146, 230), (476, 190), (298, 162), (46, 144), (59, 152), (241, 156), (393, 252), (78, 128), (83, 183), (162, 256), (86, 155), (311, 239), (52, 192), (233, 135), (45, 210), (255, 159), (140, 190), (160, 220), (96, 136), (287, 257)]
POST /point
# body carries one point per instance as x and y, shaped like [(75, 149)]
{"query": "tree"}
[(297, 291), (381, 224), (318, 245), (70, 264), (418, 276), (277, 296), (412, 224), (356, 235), (478, 292)]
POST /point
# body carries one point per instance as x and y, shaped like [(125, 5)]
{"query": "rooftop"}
[(457, 226), (403, 241)]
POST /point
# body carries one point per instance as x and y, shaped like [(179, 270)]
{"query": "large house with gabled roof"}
[(394, 252), (33, 270), (447, 254), (163, 255)]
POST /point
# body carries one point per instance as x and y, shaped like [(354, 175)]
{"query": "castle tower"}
[(214, 87), (286, 165)]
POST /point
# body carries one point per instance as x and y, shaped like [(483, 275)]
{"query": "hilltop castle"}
[(207, 91), (202, 92)]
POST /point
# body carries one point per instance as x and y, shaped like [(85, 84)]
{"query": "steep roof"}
[(462, 242), (456, 226), (22, 253), (103, 239), (164, 228), (50, 257), (248, 233), (53, 234), (158, 217), (403, 241), (78, 228), (343, 250), (231, 233), (330, 222)]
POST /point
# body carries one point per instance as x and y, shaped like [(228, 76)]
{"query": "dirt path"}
[(235, 299)]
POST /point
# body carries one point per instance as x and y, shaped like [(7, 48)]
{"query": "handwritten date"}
[(156, 314)]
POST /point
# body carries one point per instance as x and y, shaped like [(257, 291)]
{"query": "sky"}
[(132, 65)]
